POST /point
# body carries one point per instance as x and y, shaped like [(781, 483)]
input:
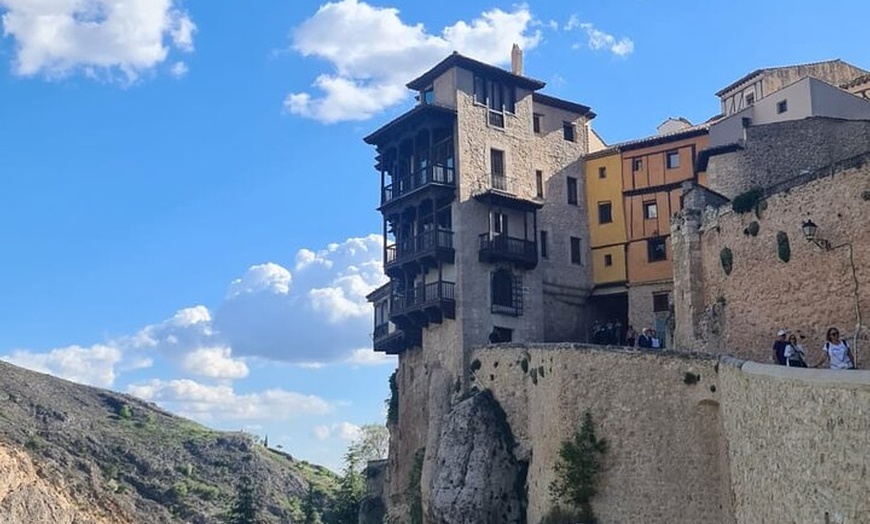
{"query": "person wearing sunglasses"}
[(794, 353), (837, 351)]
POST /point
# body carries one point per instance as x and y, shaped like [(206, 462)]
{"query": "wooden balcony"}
[(394, 341), (502, 248), (423, 250), (424, 304), (436, 175)]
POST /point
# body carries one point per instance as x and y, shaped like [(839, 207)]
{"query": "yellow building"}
[(607, 232)]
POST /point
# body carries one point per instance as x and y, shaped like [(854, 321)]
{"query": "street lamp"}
[(810, 229)]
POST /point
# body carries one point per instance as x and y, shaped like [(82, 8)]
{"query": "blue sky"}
[(187, 206)]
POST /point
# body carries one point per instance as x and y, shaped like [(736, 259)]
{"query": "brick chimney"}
[(516, 60)]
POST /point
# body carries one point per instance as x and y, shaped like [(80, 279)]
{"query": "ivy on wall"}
[(747, 201), (783, 250), (726, 257)]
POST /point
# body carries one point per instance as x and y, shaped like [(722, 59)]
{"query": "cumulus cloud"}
[(343, 430), (317, 315), (93, 365), (373, 53), (208, 403), (111, 38), (598, 39), (214, 363)]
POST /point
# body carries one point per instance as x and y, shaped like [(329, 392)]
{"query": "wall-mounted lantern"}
[(810, 230)]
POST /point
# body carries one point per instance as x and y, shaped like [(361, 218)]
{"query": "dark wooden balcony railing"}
[(435, 174), (427, 243), (433, 294), (395, 341), (381, 332), (499, 181), (496, 248)]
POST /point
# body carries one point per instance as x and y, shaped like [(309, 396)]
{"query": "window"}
[(572, 191), (656, 249), (429, 95), (650, 209), (660, 302), (545, 248), (608, 260), (499, 223), (500, 334), (568, 131), (750, 99), (536, 123), (781, 107), (637, 164), (507, 293), (499, 98), (605, 213), (602, 172), (496, 165), (672, 159), (576, 257), (539, 184)]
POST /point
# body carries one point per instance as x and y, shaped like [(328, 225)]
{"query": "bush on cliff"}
[(580, 462)]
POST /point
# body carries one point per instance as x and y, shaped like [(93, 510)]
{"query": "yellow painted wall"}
[(608, 238)]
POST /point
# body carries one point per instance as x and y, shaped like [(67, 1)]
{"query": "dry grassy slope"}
[(75, 454)]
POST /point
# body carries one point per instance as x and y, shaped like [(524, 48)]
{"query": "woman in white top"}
[(838, 353), (794, 353)]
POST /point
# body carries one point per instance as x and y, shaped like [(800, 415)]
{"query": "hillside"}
[(75, 454)]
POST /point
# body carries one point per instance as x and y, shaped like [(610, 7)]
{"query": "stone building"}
[(484, 216)]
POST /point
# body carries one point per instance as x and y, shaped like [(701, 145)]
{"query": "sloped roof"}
[(547, 100), (763, 70), (458, 60)]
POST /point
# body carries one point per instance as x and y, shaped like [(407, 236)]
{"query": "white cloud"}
[(214, 363), (598, 39), (93, 365), (343, 430), (269, 277), (367, 357), (178, 69), (112, 38), (373, 53), (209, 403)]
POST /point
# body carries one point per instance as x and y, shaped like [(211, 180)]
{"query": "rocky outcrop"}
[(372, 509), (477, 478)]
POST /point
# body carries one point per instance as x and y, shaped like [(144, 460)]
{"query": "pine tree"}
[(245, 508)]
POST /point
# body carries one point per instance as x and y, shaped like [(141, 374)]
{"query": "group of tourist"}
[(788, 351)]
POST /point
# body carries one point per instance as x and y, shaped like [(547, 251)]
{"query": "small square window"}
[(657, 249), (501, 334), (673, 159), (536, 123), (572, 191), (429, 95), (608, 260), (750, 99), (781, 107), (539, 184), (637, 164), (650, 210), (568, 131), (660, 302), (602, 172), (576, 257), (605, 212)]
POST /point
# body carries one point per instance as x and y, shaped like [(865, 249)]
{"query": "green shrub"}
[(783, 250), (577, 469), (414, 495), (125, 412), (726, 257), (393, 401), (752, 229)]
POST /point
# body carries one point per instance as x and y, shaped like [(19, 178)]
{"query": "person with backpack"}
[(794, 353), (837, 351)]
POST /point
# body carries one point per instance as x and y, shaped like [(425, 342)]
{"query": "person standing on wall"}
[(630, 336), (837, 351), (644, 341), (779, 344), (794, 353)]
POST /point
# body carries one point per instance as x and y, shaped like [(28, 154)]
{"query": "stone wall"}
[(815, 289), (747, 443), (774, 153), (797, 442)]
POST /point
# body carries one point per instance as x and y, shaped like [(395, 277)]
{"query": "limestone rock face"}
[(477, 478)]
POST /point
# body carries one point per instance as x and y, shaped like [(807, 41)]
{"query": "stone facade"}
[(725, 448), (815, 289), (775, 153)]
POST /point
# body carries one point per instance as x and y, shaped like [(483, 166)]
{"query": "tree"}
[(372, 443), (309, 507), (580, 461), (244, 509)]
